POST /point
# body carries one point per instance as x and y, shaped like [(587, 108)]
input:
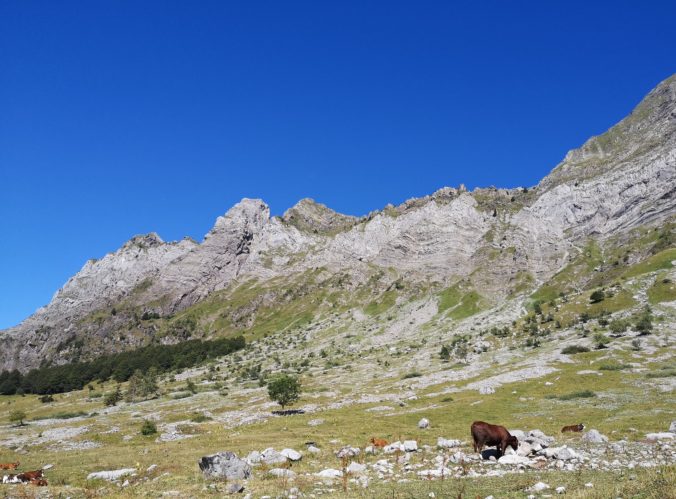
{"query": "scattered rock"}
[(410, 445), (538, 487), (560, 490), (356, 468), (281, 473), (424, 423), (514, 459), (111, 476), (234, 488), (329, 473), (291, 454), (486, 390), (271, 456), (660, 436), (314, 450), (672, 427), (348, 452), (594, 437), (443, 443), (225, 465), (315, 422)]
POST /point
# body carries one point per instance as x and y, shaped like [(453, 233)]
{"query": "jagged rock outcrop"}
[(491, 239)]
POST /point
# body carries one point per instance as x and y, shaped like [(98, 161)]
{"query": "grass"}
[(662, 290), (460, 304)]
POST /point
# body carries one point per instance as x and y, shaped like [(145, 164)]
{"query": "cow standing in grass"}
[(490, 434)]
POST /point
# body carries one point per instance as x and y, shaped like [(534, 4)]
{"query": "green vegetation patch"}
[(664, 289)]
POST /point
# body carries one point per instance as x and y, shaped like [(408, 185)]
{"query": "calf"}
[(378, 443), (573, 427), (27, 476), (39, 482), (490, 434), (9, 466)]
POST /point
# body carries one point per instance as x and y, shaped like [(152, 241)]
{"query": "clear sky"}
[(125, 117)]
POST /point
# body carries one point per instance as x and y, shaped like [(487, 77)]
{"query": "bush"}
[(618, 326), (148, 427), (611, 366), (573, 349), (46, 399), (284, 389), (16, 417), (113, 398), (191, 387), (414, 374), (199, 417), (141, 385), (601, 341), (445, 353), (578, 395), (597, 296)]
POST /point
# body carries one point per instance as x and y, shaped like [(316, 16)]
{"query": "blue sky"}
[(125, 117)]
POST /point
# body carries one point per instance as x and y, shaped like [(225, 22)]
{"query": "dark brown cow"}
[(39, 482), (573, 427), (9, 466), (27, 476), (379, 442), (490, 434)]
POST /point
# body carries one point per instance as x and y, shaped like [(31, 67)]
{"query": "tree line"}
[(119, 366)]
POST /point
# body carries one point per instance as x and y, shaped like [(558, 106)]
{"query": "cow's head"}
[(513, 442), (581, 426)]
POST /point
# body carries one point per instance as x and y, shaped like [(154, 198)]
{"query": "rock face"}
[(491, 239), (225, 465)]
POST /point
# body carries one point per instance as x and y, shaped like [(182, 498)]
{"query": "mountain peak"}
[(650, 126), (310, 216)]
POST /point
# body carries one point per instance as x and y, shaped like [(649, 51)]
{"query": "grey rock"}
[(111, 476), (271, 456), (594, 436), (282, 473), (424, 423), (234, 488), (225, 465)]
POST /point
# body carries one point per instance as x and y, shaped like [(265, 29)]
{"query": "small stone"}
[(329, 473), (356, 468), (410, 445), (589, 485), (291, 454), (424, 423), (282, 473), (560, 490), (539, 487), (234, 488)]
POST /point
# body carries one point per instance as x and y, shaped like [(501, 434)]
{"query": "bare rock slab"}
[(225, 465)]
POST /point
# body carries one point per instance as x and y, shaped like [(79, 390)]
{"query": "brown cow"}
[(27, 476), (39, 482), (378, 442), (9, 466), (490, 434), (574, 427)]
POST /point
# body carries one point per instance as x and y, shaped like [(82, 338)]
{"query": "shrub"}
[(577, 395), (148, 427), (445, 353), (284, 389), (601, 341), (597, 296), (611, 366), (636, 345), (141, 385), (414, 374), (113, 398), (618, 326), (191, 387), (573, 349), (199, 417), (16, 417), (46, 399)]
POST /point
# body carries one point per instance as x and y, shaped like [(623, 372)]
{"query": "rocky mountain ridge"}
[(495, 240)]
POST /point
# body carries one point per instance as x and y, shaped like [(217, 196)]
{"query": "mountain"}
[(466, 251)]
